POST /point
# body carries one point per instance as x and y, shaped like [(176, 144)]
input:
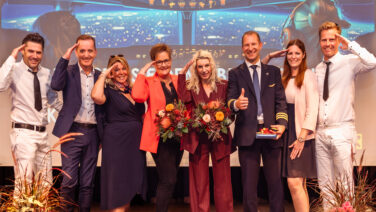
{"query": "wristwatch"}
[(301, 140)]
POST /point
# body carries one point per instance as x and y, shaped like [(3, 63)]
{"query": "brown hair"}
[(119, 58), (329, 25), (286, 76), (86, 37), (35, 38), (158, 48), (251, 33)]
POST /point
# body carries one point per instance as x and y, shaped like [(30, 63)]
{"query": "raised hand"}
[(279, 53), (17, 50), (344, 42), (186, 67), (69, 51), (108, 71), (146, 67), (242, 102)]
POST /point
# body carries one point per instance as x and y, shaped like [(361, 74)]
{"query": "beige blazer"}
[(307, 105)]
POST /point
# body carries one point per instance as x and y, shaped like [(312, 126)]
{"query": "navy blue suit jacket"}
[(273, 102), (67, 78)]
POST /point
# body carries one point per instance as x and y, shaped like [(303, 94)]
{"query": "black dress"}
[(123, 172), (305, 165)]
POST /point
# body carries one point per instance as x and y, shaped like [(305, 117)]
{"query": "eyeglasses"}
[(116, 55), (160, 62)]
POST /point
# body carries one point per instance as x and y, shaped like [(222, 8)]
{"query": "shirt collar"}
[(333, 59), (83, 72), (258, 63), (24, 66)]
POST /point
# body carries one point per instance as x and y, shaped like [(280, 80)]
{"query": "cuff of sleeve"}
[(354, 47), (281, 115)]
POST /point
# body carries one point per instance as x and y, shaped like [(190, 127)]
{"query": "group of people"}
[(312, 114)]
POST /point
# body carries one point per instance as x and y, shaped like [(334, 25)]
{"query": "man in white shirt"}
[(336, 134), (30, 86)]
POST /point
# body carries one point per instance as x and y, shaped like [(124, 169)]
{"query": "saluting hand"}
[(242, 102), (17, 50), (108, 71), (344, 42), (69, 51), (186, 67), (146, 67)]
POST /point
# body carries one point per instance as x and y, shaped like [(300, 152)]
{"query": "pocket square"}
[(272, 85)]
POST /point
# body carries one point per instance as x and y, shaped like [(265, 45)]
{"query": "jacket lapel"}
[(77, 78), (244, 71), (264, 77)]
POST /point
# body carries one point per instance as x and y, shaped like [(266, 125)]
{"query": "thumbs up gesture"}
[(242, 102)]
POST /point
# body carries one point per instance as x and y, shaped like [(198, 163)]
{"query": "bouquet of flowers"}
[(212, 118), (173, 121)]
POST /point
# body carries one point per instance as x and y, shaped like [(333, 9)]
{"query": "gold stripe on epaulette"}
[(230, 101)]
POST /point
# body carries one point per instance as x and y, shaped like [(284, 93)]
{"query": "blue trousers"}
[(80, 165)]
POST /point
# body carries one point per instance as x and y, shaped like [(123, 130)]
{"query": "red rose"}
[(176, 112)]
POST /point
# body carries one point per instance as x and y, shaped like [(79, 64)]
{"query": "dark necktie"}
[(325, 94), (256, 86), (37, 94)]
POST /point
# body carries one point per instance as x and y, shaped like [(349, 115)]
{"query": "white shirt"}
[(339, 107), (86, 114), (258, 69), (21, 82)]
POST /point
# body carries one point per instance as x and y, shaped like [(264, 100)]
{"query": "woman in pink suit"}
[(299, 160), (158, 91), (204, 86)]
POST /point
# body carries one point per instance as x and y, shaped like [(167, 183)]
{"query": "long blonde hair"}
[(194, 82)]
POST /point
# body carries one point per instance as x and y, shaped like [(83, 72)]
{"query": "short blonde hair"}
[(194, 82), (119, 58), (329, 25)]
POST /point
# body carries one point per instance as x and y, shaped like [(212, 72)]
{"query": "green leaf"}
[(224, 130), (185, 130)]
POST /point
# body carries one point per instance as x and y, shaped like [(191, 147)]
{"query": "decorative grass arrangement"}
[(39, 193), (361, 198)]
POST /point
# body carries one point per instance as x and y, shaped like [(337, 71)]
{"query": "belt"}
[(84, 125), (29, 127)]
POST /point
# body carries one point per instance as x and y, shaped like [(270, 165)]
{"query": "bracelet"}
[(301, 140)]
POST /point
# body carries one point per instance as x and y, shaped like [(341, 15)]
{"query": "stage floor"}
[(184, 207)]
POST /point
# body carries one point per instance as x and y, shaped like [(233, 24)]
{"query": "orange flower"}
[(166, 122), (213, 104), (219, 116), (169, 107)]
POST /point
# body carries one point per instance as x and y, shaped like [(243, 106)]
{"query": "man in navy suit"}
[(256, 95), (79, 114)]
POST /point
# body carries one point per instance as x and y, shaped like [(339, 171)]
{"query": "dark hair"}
[(34, 37), (286, 76), (86, 37), (329, 25), (158, 48), (251, 33)]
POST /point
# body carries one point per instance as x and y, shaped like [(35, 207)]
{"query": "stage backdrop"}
[(131, 27)]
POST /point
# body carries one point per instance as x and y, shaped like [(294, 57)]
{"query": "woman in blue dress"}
[(123, 171)]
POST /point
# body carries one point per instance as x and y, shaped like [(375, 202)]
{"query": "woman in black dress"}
[(123, 171), (299, 160)]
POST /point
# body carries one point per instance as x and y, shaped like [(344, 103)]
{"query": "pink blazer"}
[(307, 104), (150, 89)]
